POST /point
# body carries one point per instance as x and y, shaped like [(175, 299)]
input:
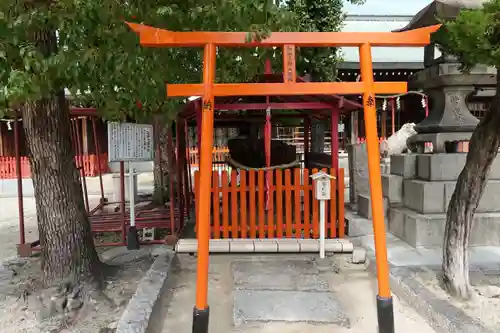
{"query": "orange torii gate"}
[(153, 37)]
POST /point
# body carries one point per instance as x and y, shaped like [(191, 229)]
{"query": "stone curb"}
[(439, 314), (137, 315)]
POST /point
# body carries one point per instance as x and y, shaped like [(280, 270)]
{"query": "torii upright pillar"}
[(153, 37)]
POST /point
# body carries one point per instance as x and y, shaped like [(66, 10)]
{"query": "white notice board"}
[(130, 142)]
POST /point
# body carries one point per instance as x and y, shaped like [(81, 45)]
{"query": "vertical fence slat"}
[(270, 206), (234, 204), (243, 203), (297, 203), (315, 210), (279, 203), (333, 204), (307, 212), (261, 205), (252, 205), (341, 186), (225, 205), (216, 205), (288, 204)]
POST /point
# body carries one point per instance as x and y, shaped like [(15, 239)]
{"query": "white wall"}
[(386, 7), (383, 16)]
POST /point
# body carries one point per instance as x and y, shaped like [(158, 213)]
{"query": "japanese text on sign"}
[(323, 189), (130, 142), (290, 62)]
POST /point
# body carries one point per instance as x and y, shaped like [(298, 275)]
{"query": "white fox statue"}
[(396, 143)]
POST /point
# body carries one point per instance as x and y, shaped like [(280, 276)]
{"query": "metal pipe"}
[(131, 194), (122, 201), (20, 202), (98, 157), (322, 232)]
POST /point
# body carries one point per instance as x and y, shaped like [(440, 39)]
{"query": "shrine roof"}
[(333, 101)]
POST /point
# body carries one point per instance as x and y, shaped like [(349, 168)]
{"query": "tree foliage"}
[(99, 60), (473, 37)]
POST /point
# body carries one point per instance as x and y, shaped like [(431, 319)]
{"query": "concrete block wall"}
[(418, 192)]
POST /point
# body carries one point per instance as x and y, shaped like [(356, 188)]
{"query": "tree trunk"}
[(483, 149), (161, 177), (68, 250)]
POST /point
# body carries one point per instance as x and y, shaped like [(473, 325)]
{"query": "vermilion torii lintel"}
[(285, 89), (155, 37)]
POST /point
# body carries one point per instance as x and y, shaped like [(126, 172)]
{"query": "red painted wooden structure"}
[(171, 217), (287, 41)]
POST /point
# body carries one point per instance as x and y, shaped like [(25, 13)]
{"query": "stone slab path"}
[(280, 293), (283, 290)]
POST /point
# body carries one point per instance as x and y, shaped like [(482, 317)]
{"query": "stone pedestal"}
[(359, 181), (358, 172), (419, 190)]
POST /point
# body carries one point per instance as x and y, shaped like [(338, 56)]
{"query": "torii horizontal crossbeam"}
[(285, 89), (154, 37), (275, 106)]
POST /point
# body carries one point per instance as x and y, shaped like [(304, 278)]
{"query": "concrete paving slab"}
[(287, 306), (275, 267), (302, 282)]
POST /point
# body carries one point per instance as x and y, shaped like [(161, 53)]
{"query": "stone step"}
[(419, 230), (447, 167), (433, 197), (404, 165), (392, 188), (364, 206)]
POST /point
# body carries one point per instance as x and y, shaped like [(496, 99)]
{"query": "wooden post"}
[(383, 121), (2, 152), (354, 127), (307, 134), (201, 310), (384, 297), (85, 137), (335, 139)]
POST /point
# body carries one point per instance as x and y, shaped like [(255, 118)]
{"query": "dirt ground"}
[(485, 303), (354, 286), (20, 288), (26, 307)]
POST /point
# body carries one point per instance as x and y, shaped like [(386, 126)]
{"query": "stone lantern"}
[(446, 86), (420, 186)]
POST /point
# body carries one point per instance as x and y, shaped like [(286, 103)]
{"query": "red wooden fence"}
[(241, 211), (8, 166)]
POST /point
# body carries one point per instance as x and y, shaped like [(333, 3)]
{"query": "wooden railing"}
[(87, 162), (219, 154), (249, 208)]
